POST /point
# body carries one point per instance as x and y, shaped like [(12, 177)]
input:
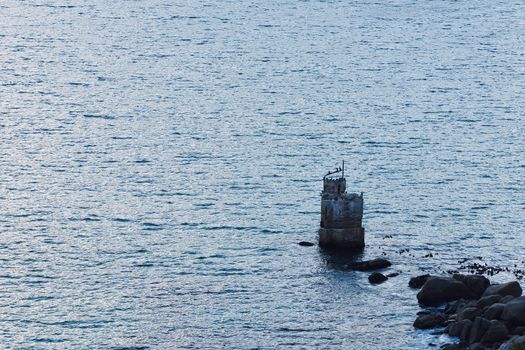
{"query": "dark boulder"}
[(488, 300), (468, 313), (453, 347), (437, 290), (510, 288), (494, 311), (454, 306), (465, 332), (478, 329), (518, 330), (506, 299), (455, 328), (514, 312), (306, 244), (370, 265), (429, 321), (476, 346), (497, 332), (475, 283), (377, 277), (418, 282)]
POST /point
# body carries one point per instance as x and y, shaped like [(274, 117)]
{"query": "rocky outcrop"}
[(480, 314), (438, 290)]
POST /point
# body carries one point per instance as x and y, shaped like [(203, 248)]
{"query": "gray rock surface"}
[(494, 311), (495, 333), (369, 265), (510, 288), (478, 329), (429, 321), (514, 312), (488, 300), (455, 328), (468, 313), (418, 282), (438, 290), (475, 283)]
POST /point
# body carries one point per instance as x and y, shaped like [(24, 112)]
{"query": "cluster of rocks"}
[(481, 315), (374, 264)]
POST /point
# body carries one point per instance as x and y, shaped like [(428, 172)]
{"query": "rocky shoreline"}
[(480, 314)]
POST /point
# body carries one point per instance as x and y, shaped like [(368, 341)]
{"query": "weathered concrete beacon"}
[(341, 213)]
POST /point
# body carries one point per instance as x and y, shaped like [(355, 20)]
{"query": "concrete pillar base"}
[(342, 237)]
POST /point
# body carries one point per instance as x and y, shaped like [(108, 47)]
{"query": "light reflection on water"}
[(159, 162)]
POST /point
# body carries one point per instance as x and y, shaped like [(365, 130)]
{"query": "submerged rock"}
[(369, 265), (377, 277)]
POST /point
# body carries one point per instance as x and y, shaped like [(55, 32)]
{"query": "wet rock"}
[(377, 277), (370, 265), (429, 321), (437, 290), (465, 332), (518, 330), (306, 244), (418, 282), (475, 283), (514, 312), (478, 329), (476, 346), (506, 299), (510, 288), (454, 306), (468, 313), (495, 333), (494, 311), (515, 343), (455, 329), (453, 347), (488, 300)]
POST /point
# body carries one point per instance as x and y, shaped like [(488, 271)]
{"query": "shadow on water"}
[(340, 258)]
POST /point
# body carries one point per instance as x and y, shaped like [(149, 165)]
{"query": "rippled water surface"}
[(160, 160)]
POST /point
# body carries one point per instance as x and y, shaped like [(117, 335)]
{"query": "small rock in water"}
[(393, 274), (306, 244), (369, 265), (377, 277)]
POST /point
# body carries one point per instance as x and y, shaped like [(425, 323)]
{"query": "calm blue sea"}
[(160, 160)]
